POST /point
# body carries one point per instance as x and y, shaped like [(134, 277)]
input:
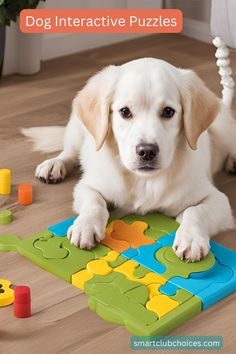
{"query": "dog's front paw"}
[(51, 171), (190, 245), (86, 232)]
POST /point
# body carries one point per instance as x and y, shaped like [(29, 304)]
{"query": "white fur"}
[(180, 187), (42, 138)]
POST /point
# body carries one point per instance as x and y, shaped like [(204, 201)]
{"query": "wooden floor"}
[(62, 321)]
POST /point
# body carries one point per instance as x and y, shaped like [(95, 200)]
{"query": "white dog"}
[(149, 137)]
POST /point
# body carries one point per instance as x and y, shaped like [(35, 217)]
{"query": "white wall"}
[(197, 15), (24, 51), (56, 45), (199, 10)]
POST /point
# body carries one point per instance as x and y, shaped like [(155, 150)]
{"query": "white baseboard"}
[(197, 30)]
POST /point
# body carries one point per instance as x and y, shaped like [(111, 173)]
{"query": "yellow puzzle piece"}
[(97, 266), (128, 269), (6, 293), (161, 304), (158, 302)]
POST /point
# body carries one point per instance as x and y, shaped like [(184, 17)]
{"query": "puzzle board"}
[(133, 278)]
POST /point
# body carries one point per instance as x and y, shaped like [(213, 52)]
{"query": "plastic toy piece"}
[(123, 291), (111, 256), (140, 271), (115, 293), (51, 248), (159, 224), (25, 194), (103, 266), (114, 263), (146, 257), (130, 253), (116, 245), (5, 217), (99, 267), (116, 304), (128, 269), (60, 229), (6, 293), (22, 301), (179, 296), (5, 181), (169, 289), (173, 319), (139, 295), (62, 266), (175, 266), (167, 240), (224, 255), (133, 233), (212, 286), (161, 304)]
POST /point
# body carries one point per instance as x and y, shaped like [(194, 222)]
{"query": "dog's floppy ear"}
[(200, 106), (92, 103)]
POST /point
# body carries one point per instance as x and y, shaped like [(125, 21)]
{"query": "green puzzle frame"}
[(114, 296)]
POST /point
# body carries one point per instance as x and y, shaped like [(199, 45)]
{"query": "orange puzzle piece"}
[(121, 236), (116, 245)]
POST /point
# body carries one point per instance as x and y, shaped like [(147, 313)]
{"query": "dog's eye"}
[(126, 113), (167, 112)]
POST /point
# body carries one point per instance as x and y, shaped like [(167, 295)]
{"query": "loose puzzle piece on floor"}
[(6, 293), (134, 278)]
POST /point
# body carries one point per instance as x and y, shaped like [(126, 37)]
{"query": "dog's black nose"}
[(147, 152)]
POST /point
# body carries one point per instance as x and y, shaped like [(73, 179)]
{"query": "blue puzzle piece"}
[(167, 240), (60, 229), (224, 255), (130, 253), (212, 286), (168, 289), (146, 258)]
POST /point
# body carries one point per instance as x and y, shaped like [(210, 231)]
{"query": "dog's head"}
[(147, 104)]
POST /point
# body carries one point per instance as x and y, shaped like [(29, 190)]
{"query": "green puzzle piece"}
[(117, 262), (170, 321), (181, 296), (8, 243), (159, 224), (140, 272), (114, 297), (114, 303), (139, 295), (176, 267), (47, 251), (51, 247), (125, 285), (116, 306)]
